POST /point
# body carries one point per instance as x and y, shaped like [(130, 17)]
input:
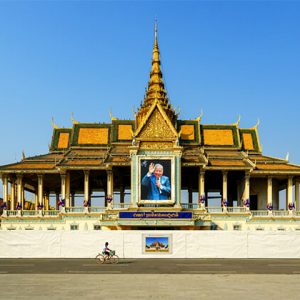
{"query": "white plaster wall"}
[(129, 244)]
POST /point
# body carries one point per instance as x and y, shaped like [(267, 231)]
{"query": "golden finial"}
[(53, 124), (287, 156), (133, 110), (178, 111), (256, 125), (73, 120), (237, 123), (112, 117), (155, 32), (200, 117)]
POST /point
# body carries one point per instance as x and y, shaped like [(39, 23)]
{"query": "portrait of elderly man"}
[(156, 184)]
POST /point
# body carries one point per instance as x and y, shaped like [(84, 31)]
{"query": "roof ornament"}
[(111, 116), (73, 120), (23, 155), (256, 125), (133, 111), (237, 123), (178, 111), (287, 156), (155, 31), (200, 117), (53, 124)]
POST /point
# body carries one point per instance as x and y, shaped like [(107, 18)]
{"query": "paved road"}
[(151, 266), (209, 279)]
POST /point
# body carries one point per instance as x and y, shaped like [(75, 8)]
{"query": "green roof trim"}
[(115, 130), (195, 123), (235, 134), (77, 127), (55, 137), (255, 140)]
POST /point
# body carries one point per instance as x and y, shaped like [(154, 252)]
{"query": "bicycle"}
[(112, 258)]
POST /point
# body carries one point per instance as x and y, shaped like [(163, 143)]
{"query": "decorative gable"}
[(157, 127)]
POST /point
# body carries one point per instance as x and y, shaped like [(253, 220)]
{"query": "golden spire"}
[(156, 88)]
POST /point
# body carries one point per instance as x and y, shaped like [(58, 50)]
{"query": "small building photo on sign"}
[(157, 244)]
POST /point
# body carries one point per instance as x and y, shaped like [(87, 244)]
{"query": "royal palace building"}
[(155, 171)]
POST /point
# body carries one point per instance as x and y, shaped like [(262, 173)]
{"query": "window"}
[(281, 229), (237, 227), (74, 227), (97, 227)]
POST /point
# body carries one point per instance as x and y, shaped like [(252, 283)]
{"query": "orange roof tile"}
[(29, 166), (63, 141), (217, 162), (124, 132), (277, 167), (83, 162), (216, 137), (93, 136), (248, 141), (187, 132)]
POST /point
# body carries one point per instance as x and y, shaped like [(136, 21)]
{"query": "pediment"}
[(157, 126)]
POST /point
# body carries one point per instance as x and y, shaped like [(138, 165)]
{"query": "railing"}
[(274, 213), (75, 209), (214, 209), (51, 213), (96, 209), (190, 205), (120, 205), (237, 209), (281, 213), (11, 212), (259, 213), (29, 213)]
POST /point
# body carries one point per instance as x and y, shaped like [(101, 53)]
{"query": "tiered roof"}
[(102, 145)]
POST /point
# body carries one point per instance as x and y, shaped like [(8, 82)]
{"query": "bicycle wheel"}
[(114, 259), (100, 259)]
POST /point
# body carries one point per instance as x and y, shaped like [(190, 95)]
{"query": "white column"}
[(63, 189), (86, 185), (68, 187), (36, 201), (40, 189), (19, 189), (269, 190), (290, 190), (110, 185), (297, 194), (201, 188), (246, 195), (201, 182), (5, 188), (224, 190), (12, 195)]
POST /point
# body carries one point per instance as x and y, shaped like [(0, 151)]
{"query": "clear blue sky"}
[(224, 57)]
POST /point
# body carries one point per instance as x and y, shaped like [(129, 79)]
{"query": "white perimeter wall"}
[(129, 244)]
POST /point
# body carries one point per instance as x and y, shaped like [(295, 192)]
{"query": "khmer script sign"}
[(155, 215)]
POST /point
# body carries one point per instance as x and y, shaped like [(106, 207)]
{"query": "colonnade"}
[(246, 191), (42, 199)]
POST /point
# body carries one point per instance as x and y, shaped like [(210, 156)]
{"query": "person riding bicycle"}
[(106, 250)]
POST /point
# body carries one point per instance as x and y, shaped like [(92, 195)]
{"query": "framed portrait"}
[(161, 244), (156, 180)]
